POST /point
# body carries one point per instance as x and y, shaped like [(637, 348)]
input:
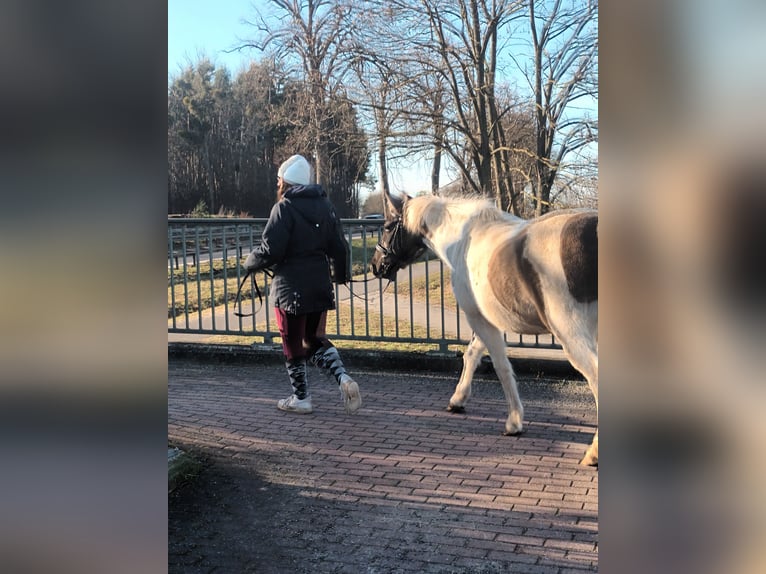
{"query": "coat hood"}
[(309, 200)]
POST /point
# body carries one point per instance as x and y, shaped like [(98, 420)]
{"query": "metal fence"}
[(205, 268)]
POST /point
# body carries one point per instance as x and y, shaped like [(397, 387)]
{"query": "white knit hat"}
[(295, 170)]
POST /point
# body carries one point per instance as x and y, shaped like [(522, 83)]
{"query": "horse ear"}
[(394, 204)]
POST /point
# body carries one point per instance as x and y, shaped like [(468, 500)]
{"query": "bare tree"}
[(380, 85), (375, 80), (431, 78), (565, 50), (452, 102), (464, 35), (312, 35), (502, 144), (436, 104)]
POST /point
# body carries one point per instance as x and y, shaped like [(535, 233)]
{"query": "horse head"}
[(398, 247)]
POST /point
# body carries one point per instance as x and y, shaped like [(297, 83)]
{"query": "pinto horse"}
[(508, 275)]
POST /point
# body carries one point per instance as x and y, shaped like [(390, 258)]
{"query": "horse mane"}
[(431, 211)]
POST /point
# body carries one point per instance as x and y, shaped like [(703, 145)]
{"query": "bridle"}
[(396, 251)]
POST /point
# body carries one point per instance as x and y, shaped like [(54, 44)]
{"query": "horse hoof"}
[(455, 409), (588, 461), (513, 433)]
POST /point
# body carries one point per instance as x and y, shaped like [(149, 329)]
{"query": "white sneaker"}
[(293, 404), (349, 391)]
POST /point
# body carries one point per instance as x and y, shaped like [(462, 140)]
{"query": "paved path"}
[(402, 486)]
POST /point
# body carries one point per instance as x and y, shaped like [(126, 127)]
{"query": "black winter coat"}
[(302, 236)]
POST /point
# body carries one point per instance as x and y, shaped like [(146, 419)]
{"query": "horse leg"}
[(591, 455), (471, 360), (583, 355), (495, 343)]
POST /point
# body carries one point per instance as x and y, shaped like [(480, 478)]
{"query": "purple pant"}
[(302, 335)]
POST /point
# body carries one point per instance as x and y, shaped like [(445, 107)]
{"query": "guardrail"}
[(205, 267)]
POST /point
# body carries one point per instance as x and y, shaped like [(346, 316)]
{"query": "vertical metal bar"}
[(396, 305), (172, 277), (254, 242), (211, 248), (381, 322), (442, 344), (269, 339), (457, 317), (337, 292), (412, 306), (225, 275), (238, 277), (380, 307), (170, 248), (428, 300), (365, 258), (185, 276), (265, 279), (336, 287), (240, 269), (441, 296), (199, 278), (351, 284), (251, 288)]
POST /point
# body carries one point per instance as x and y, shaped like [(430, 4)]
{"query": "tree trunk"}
[(209, 175), (382, 165), (436, 169)]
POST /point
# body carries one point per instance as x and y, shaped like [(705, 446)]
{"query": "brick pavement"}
[(403, 486)]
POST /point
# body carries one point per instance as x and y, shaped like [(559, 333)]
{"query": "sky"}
[(207, 27)]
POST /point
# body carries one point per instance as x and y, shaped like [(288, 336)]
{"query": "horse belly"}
[(513, 300), (523, 323)]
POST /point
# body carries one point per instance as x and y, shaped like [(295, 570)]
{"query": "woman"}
[(302, 236)]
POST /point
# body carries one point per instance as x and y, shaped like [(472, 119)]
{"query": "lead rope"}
[(238, 300), (254, 285), (365, 280)]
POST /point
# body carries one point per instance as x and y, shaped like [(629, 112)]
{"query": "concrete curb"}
[(374, 360)]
